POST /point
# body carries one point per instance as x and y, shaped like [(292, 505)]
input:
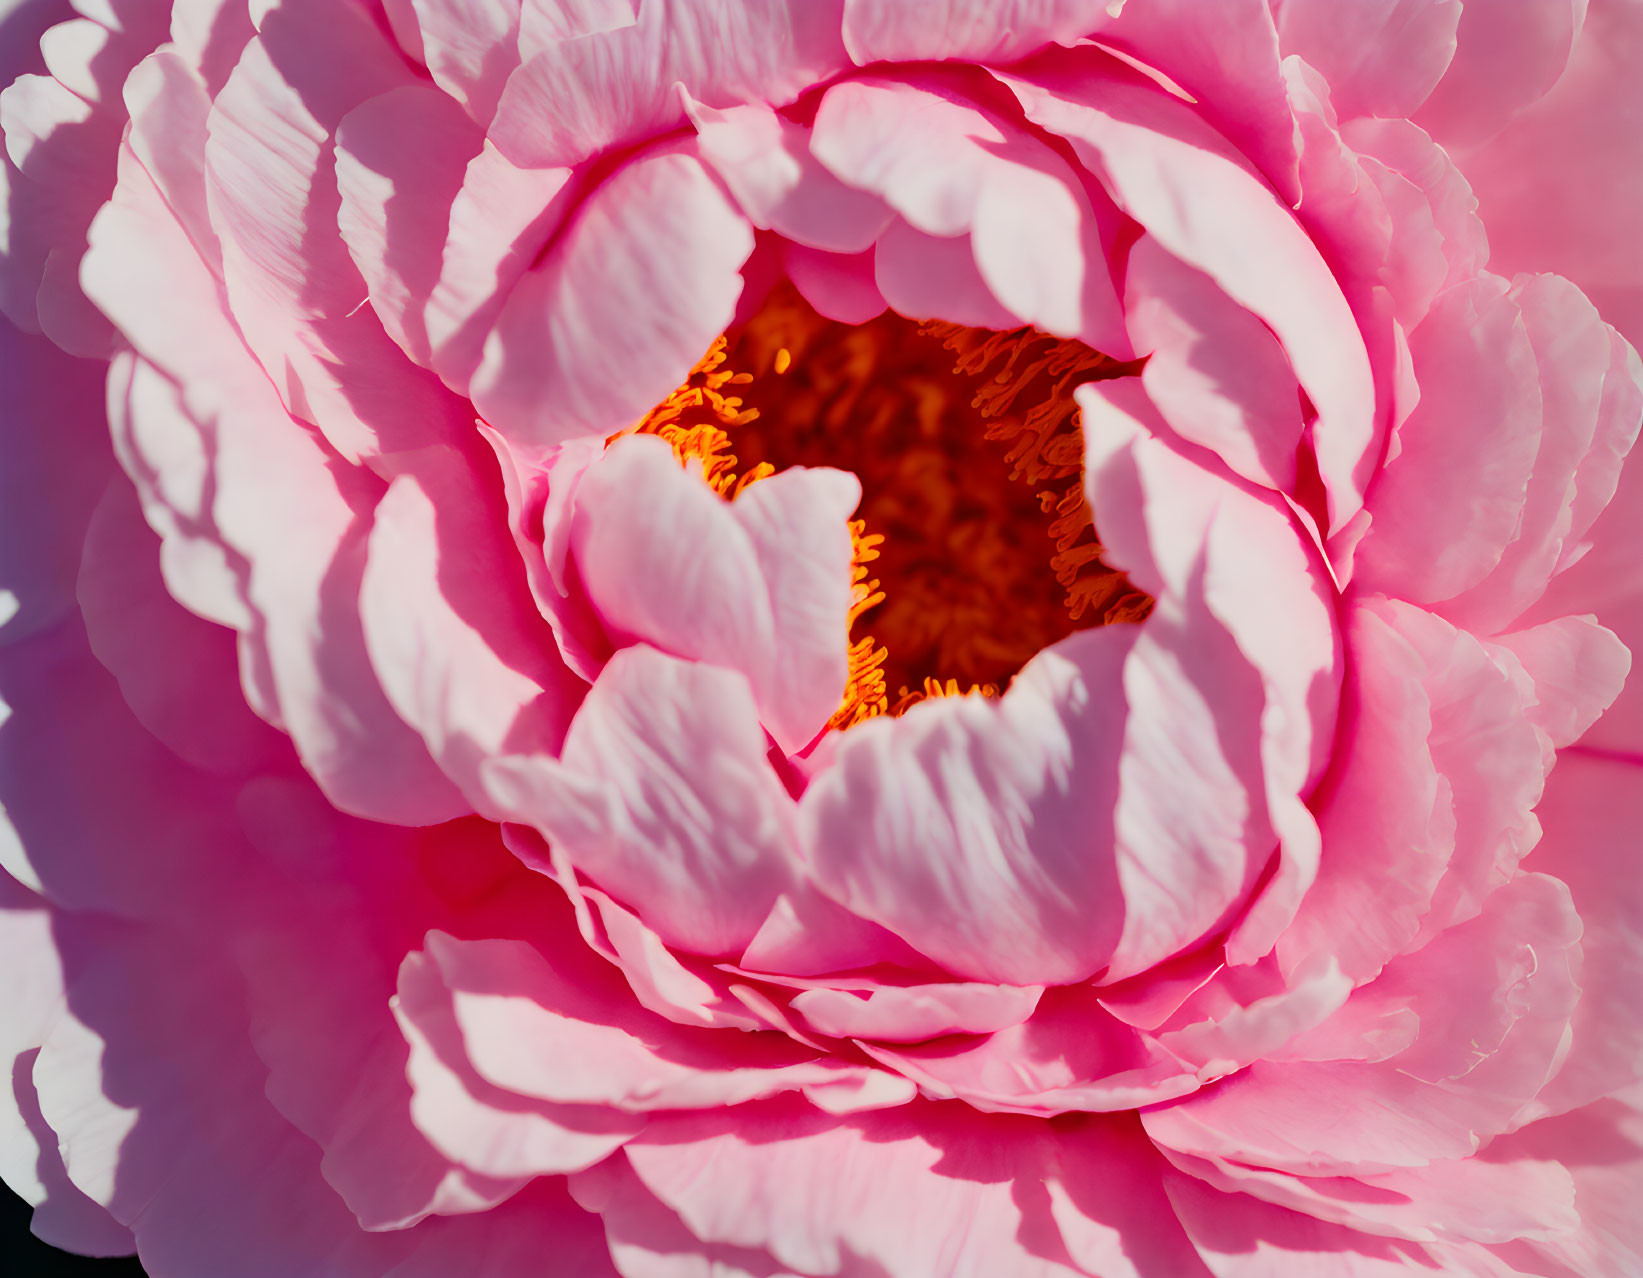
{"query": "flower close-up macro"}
[(822, 638)]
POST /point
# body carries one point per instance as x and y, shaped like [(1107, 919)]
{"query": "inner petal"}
[(975, 548)]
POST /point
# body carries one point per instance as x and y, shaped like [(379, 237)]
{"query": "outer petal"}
[(1505, 59), (810, 1188), (1590, 813), (577, 98), (1334, 1119), (1381, 58), (1561, 188)]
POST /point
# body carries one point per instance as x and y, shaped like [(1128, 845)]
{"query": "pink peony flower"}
[(823, 637)]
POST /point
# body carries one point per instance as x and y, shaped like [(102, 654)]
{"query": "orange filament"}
[(954, 571)]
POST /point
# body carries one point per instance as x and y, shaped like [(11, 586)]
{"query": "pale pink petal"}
[(577, 98), (1600, 1145), (1069, 1055), (959, 827), (460, 649), (169, 109), (1384, 813), (1487, 750), (401, 160), (760, 584), (1572, 350), (1390, 150), (29, 1161), (294, 290), (1577, 668), (631, 295), (910, 1013), (1590, 813), (570, 1033), (1381, 58), (172, 667), (838, 287), (1345, 1118), (1505, 58), (923, 277), (1171, 172), (698, 839), (499, 221), (1492, 1198), (1241, 1237), (648, 1240), (1227, 57), (766, 162), (209, 35), (1248, 1013), (1207, 659), (1561, 188), (950, 168), (476, 1123), (1215, 372), (1107, 1197), (1450, 497), (972, 30), (808, 934), (262, 470), (812, 1189), (470, 47)]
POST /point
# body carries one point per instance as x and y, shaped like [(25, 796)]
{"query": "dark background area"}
[(22, 1255)]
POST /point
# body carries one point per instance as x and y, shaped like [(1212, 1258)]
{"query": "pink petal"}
[(632, 294), (1167, 169), (949, 168), (956, 826), (969, 30), (760, 584), (460, 649), (1068, 1056), (1384, 813), (1227, 57), (908, 1014), (808, 934), (262, 467), (293, 288), (1590, 813), (499, 222), (577, 98), (1572, 349), (1488, 1199), (1476, 431), (1248, 1013), (1381, 58), (476, 1123), (766, 162), (838, 287), (1505, 58), (922, 277), (811, 1189), (1561, 189), (470, 47), (570, 1033), (409, 139), (665, 798), (1599, 1145), (1343, 1118), (1216, 373), (1577, 668)]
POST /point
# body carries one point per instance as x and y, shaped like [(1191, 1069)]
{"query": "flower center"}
[(974, 546)]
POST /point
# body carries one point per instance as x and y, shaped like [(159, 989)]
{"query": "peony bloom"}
[(823, 637)]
